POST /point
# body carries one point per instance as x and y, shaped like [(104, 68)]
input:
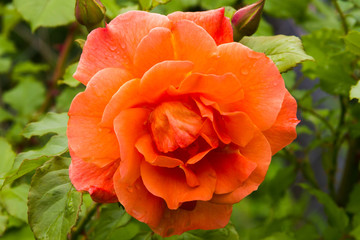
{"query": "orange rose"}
[(177, 122)]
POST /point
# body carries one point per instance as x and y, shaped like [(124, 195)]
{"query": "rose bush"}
[(177, 122)]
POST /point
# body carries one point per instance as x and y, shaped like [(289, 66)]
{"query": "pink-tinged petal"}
[(258, 151), (154, 48), (145, 146), (174, 125), (193, 43), (115, 45), (98, 93), (213, 21), (204, 216), (138, 201), (232, 169), (127, 96), (90, 142), (239, 127), (161, 76), (86, 176), (283, 132), (219, 88), (174, 188), (127, 137), (263, 86)]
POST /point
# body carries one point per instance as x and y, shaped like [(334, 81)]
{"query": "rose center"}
[(174, 125)]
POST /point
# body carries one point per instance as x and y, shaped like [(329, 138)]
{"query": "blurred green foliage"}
[(312, 189)]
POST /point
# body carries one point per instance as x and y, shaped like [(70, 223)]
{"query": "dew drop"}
[(245, 71)]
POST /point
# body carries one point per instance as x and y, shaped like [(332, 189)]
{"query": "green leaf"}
[(5, 64), (14, 201), (145, 4), (285, 51), (6, 46), (227, 233), (7, 158), (28, 161), (112, 217), (63, 101), (285, 9), (46, 13), (353, 205), (53, 202), (212, 4), (68, 76), (327, 47), (355, 91), (3, 223), (51, 123), (336, 215), (26, 97), (352, 40), (23, 234), (4, 115)]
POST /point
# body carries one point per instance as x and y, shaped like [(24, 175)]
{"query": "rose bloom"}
[(177, 122)]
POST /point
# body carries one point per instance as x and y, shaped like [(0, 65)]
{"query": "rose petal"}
[(283, 132), (220, 88), (98, 93), (204, 216), (115, 45), (239, 127), (138, 201), (145, 146), (193, 43), (162, 75), (213, 21), (127, 137), (154, 48), (173, 188), (127, 96), (232, 169), (86, 176), (174, 125), (263, 86), (258, 151)]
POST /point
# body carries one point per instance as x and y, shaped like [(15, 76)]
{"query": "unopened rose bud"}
[(90, 13), (246, 20)]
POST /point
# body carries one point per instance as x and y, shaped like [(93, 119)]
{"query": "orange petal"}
[(232, 169), (283, 132), (263, 86), (258, 151), (208, 133), (115, 45), (91, 142), (204, 216), (127, 137), (174, 125), (154, 48), (138, 201), (98, 93), (86, 176), (161, 76), (213, 21), (145, 146), (170, 183), (239, 127), (193, 43), (219, 88), (127, 96)]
